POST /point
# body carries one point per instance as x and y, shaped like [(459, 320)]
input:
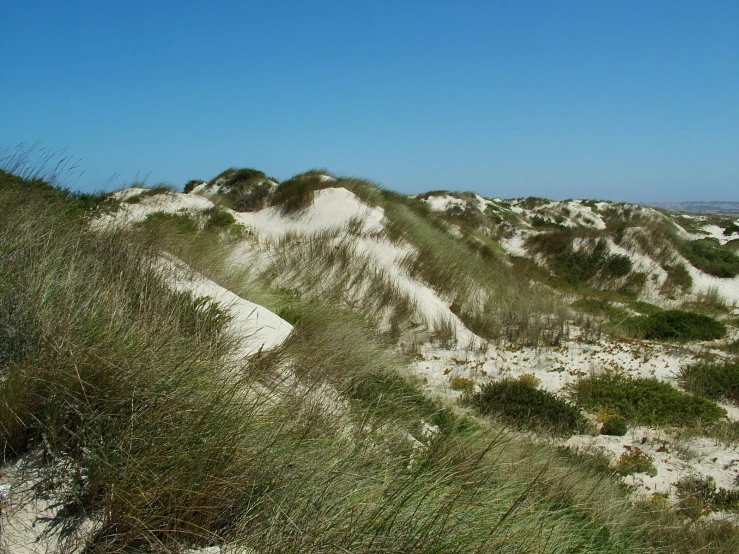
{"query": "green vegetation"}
[(615, 426), (676, 325), (518, 403), (462, 384), (127, 394), (296, 194), (581, 265), (716, 382), (699, 496), (191, 184), (147, 193), (708, 256), (644, 401), (633, 460)]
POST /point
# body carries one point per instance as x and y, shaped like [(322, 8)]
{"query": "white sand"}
[(170, 202), (443, 203), (332, 208), (256, 326)]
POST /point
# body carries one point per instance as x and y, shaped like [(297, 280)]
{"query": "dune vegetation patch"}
[(518, 403), (675, 325), (644, 401), (713, 381), (708, 256)]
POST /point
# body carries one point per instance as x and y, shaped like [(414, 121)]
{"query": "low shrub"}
[(251, 199), (617, 265), (462, 384), (677, 325), (678, 280), (708, 256), (297, 193), (522, 405), (615, 426), (633, 460), (731, 228), (529, 379), (644, 401), (716, 382), (191, 184), (159, 222), (704, 490), (218, 219)]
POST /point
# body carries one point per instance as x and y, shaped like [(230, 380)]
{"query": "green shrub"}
[(519, 404), (635, 461), (161, 189), (617, 265), (462, 384), (676, 325), (218, 219), (708, 256), (162, 222), (731, 228), (251, 199), (615, 426), (703, 489), (716, 382), (644, 401), (191, 184), (232, 177), (678, 280)]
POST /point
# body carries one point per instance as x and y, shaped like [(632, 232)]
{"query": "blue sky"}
[(622, 100)]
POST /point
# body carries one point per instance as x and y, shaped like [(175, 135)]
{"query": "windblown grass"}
[(323, 445)]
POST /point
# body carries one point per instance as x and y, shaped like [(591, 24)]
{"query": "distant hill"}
[(712, 207)]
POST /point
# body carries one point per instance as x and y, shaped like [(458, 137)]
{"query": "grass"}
[(128, 390), (713, 381), (644, 401), (708, 256)]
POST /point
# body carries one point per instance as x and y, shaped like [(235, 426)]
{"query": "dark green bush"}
[(676, 325), (704, 490), (218, 219), (731, 228), (617, 265), (296, 194), (520, 404), (191, 184), (708, 256), (160, 222), (615, 426), (716, 382), (232, 177), (251, 199), (678, 280), (644, 401)]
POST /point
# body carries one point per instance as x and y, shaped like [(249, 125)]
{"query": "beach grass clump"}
[(517, 403), (713, 381), (644, 401)]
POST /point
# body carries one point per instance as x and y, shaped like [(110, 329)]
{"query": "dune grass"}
[(122, 389)]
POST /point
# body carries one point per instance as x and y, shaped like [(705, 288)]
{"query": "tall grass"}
[(120, 385)]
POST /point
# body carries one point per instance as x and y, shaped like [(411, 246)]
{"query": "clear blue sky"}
[(623, 100)]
